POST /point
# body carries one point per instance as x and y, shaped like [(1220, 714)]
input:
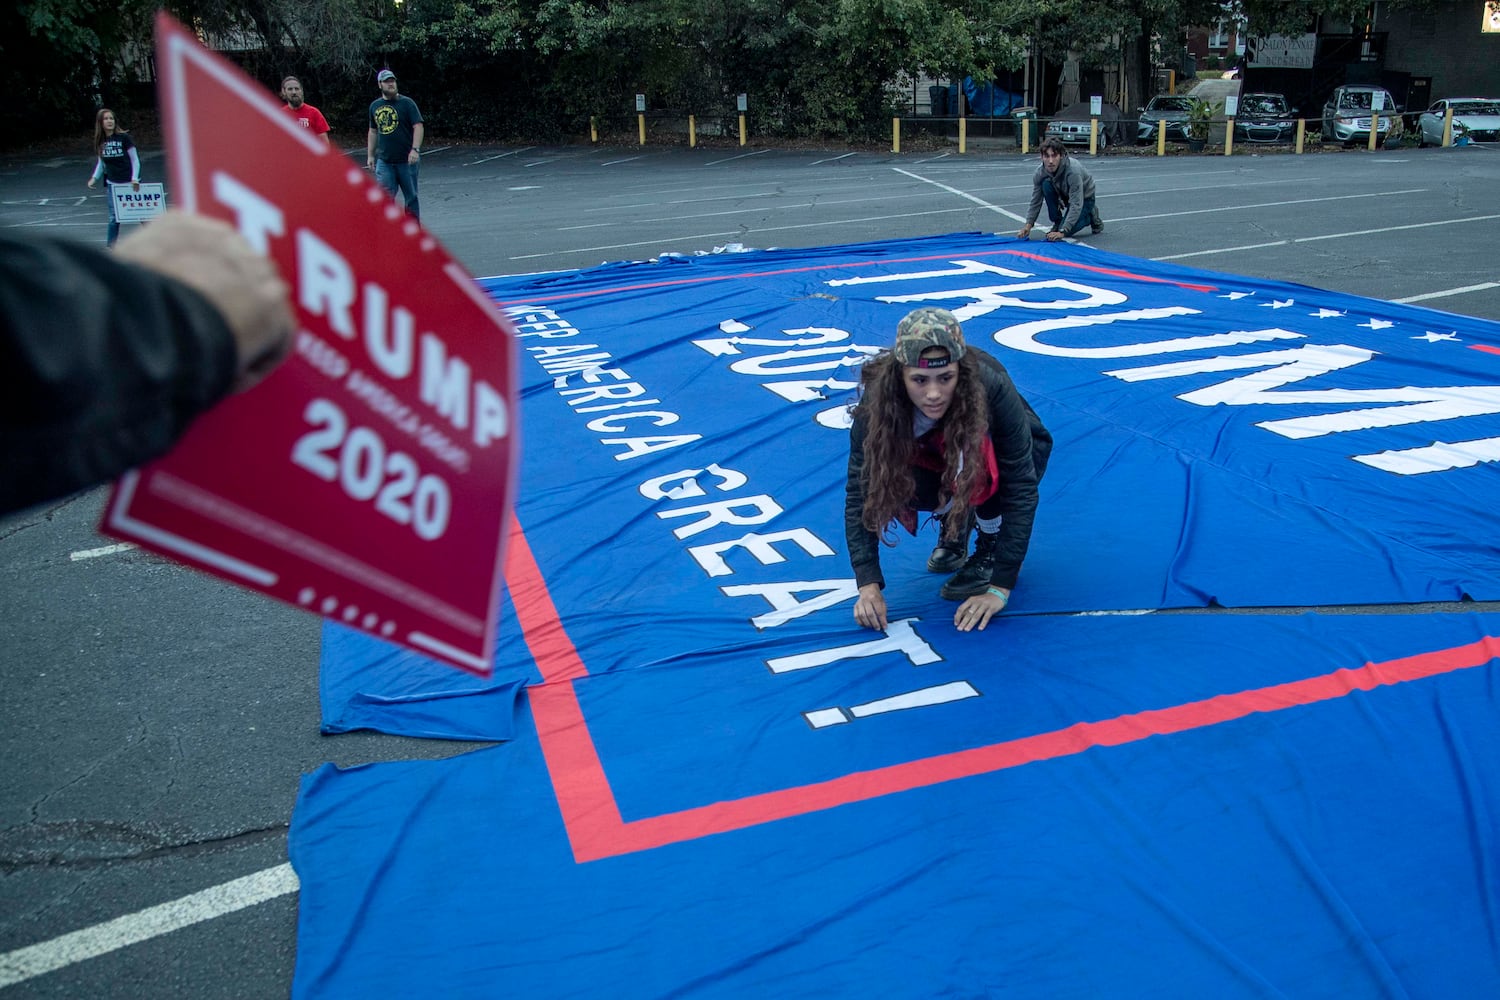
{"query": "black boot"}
[(974, 578), (948, 555)]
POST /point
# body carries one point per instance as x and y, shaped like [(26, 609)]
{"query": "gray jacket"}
[(1075, 185)]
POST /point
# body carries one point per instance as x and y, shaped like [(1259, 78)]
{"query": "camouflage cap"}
[(924, 328)]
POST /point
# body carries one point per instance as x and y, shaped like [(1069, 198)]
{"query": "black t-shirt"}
[(114, 152), (392, 122)]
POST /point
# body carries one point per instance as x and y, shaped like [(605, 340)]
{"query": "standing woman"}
[(117, 163), (939, 426)]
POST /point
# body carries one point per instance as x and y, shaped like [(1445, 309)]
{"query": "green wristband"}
[(1000, 594)]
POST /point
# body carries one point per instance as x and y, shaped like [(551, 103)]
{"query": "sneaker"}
[(1098, 227)]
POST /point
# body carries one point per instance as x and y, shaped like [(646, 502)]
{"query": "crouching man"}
[(1068, 191)]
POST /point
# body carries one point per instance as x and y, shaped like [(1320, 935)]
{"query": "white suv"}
[(1346, 116)]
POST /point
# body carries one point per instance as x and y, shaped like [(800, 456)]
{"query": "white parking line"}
[(1335, 236), (835, 159), (1209, 253), (498, 156), (107, 550), (73, 201), (1444, 294), (726, 159), (133, 928), (1266, 204), (610, 163), (1396, 229), (82, 219), (671, 240), (782, 207), (962, 194)]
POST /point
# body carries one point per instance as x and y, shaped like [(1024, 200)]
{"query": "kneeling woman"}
[(939, 426)]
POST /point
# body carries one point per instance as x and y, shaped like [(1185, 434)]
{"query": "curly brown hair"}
[(885, 406)]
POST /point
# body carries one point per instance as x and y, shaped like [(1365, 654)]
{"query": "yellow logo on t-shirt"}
[(386, 119)]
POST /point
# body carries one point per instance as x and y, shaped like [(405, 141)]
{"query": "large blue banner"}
[(1166, 805), (718, 785), (1219, 441)]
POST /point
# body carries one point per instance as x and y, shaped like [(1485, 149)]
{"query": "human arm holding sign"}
[(106, 358)]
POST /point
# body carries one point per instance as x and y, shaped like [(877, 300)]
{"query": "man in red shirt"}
[(310, 117)]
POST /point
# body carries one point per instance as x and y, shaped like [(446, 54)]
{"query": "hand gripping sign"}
[(369, 477)]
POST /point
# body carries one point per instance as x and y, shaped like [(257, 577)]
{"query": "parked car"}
[(1172, 109), (1476, 117), (1265, 118), (1346, 116), (1071, 125)]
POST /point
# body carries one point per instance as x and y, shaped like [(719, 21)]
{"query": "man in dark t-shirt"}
[(394, 146)]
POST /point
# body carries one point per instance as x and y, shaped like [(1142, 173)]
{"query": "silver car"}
[(1265, 118), (1072, 125), (1346, 116), (1163, 107), (1476, 117)]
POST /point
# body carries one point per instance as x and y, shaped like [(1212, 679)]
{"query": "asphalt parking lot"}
[(158, 721)]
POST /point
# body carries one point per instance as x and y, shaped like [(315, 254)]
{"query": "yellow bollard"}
[(593, 128), (692, 131), (1374, 122), (1301, 132), (641, 124), (1093, 137), (1228, 136), (895, 135), (1025, 136), (963, 136), (1447, 126), (742, 130), (1161, 138)]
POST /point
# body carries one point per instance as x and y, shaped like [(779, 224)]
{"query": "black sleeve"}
[(1014, 429), (863, 544), (102, 365)]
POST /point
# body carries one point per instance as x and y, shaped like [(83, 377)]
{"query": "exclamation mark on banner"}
[(941, 694)]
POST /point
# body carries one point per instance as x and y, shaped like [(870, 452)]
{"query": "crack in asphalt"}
[(40, 516), (82, 845)]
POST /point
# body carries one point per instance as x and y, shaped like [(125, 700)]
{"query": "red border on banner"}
[(597, 830)]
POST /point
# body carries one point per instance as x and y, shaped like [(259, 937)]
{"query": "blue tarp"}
[(1342, 847), (1220, 440), (718, 785), (990, 101)]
